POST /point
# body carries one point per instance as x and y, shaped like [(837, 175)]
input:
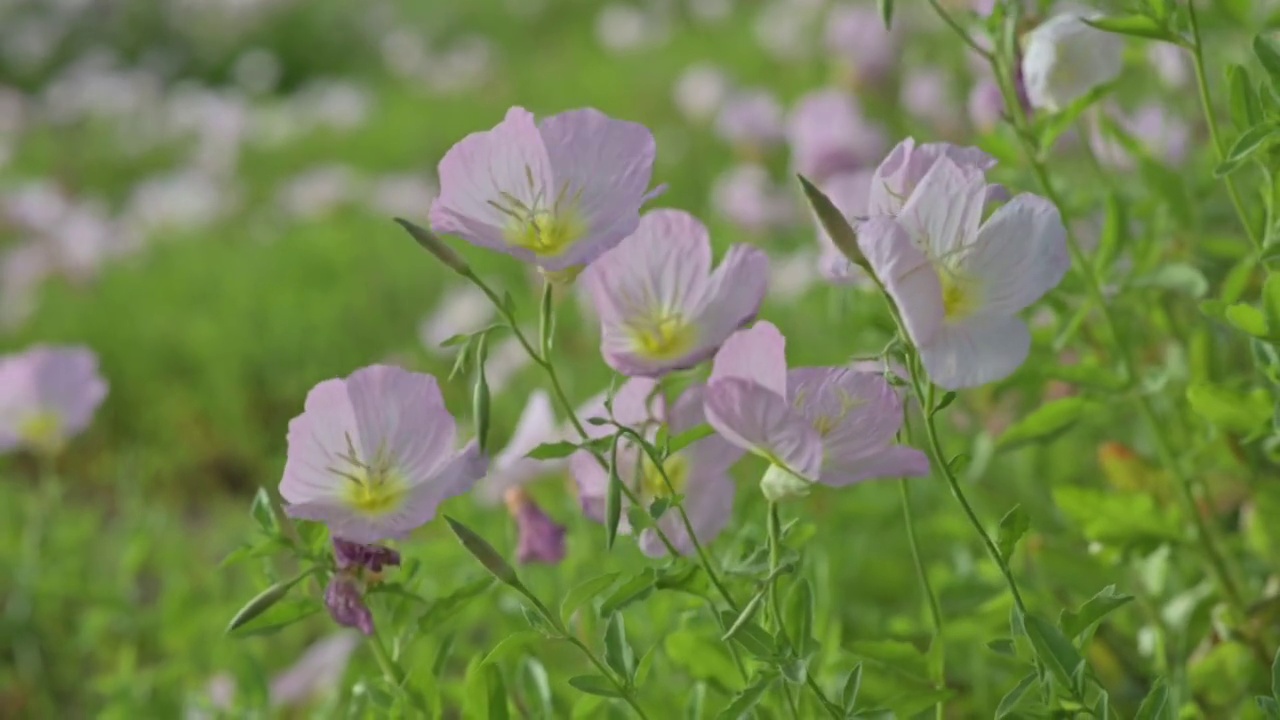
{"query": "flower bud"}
[(779, 484), (434, 245)]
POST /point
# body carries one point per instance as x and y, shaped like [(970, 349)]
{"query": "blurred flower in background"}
[(48, 395)]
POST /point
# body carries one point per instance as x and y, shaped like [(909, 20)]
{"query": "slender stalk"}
[(1206, 104), (1164, 446), (926, 396), (964, 35), (774, 525), (390, 670), (935, 612)]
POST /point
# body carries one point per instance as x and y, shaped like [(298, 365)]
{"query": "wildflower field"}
[(772, 359)]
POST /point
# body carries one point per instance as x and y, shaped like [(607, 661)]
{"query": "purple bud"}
[(346, 606), (541, 539), (350, 555)]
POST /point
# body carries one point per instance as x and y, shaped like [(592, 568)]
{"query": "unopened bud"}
[(437, 247)]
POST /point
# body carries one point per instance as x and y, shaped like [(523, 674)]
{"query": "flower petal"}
[(859, 411), (945, 211), (708, 503), (607, 165), (509, 160), (401, 415), (977, 351), (1020, 254), (761, 421), (511, 468), (898, 176), (734, 295), (757, 354), (890, 462), (907, 274)]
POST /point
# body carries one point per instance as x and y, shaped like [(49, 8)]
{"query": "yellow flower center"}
[(375, 492), (960, 297), (652, 484), (42, 431), (546, 233), (663, 337)]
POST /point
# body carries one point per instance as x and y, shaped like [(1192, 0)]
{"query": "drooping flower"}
[(828, 135), (557, 193), (907, 164), (48, 395), (512, 468), (960, 282), (831, 425), (352, 556), (541, 539), (1065, 58), (345, 602), (699, 473), (373, 455), (661, 306)]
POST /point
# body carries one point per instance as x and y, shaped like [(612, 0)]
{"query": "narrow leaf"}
[(1246, 111), (637, 588), (1045, 421), (618, 654), (484, 552), (1250, 142), (1013, 526), (1093, 611), (1135, 26), (595, 685), (1053, 648), (263, 601), (852, 685), (553, 451), (886, 12), (613, 499), (747, 614), (277, 617), (1013, 698), (747, 699), (1152, 708), (835, 223), (584, 592)]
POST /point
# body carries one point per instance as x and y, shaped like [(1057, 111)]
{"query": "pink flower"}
[(48, 395), (699, 472), (373, 455), (831, 425), (661, 306), (986, 105), (908, 163), (557, 193), (829, 135), (959, 282)]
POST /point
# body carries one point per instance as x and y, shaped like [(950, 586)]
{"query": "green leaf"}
[(1135, 26), (886, 12), (1176, 277), (553, 451), (447, 606), (1249, 319), (1232, 411), (1075, 624), (896, 655), (1269, 706), (496, 697), (278, 616), (750, 636), (835, 223), (1052, 126), (1044, 422), (744, 701), (484, 552), (1250, 142), (1246, 111), (584, 592), (1269, 56), (1003, 646), (1120, 519), (1271, 301), (1053, 648), (702, 656), (595, 685), (917, 701), (263, 601), (1013, 526), (637, 588), (613, 498), (511, 645), (799, 611), (1013, 698), (745, 617), (1275, 677), (697, 699), (946, 401), (261, 512), (1152, 708), (689, 437), (852, 686), (618, 654)]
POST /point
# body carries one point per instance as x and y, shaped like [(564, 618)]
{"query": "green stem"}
[(390, 670), (926, 396), (964, 35), (774, 524), (935, 612), (1202, 84)]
